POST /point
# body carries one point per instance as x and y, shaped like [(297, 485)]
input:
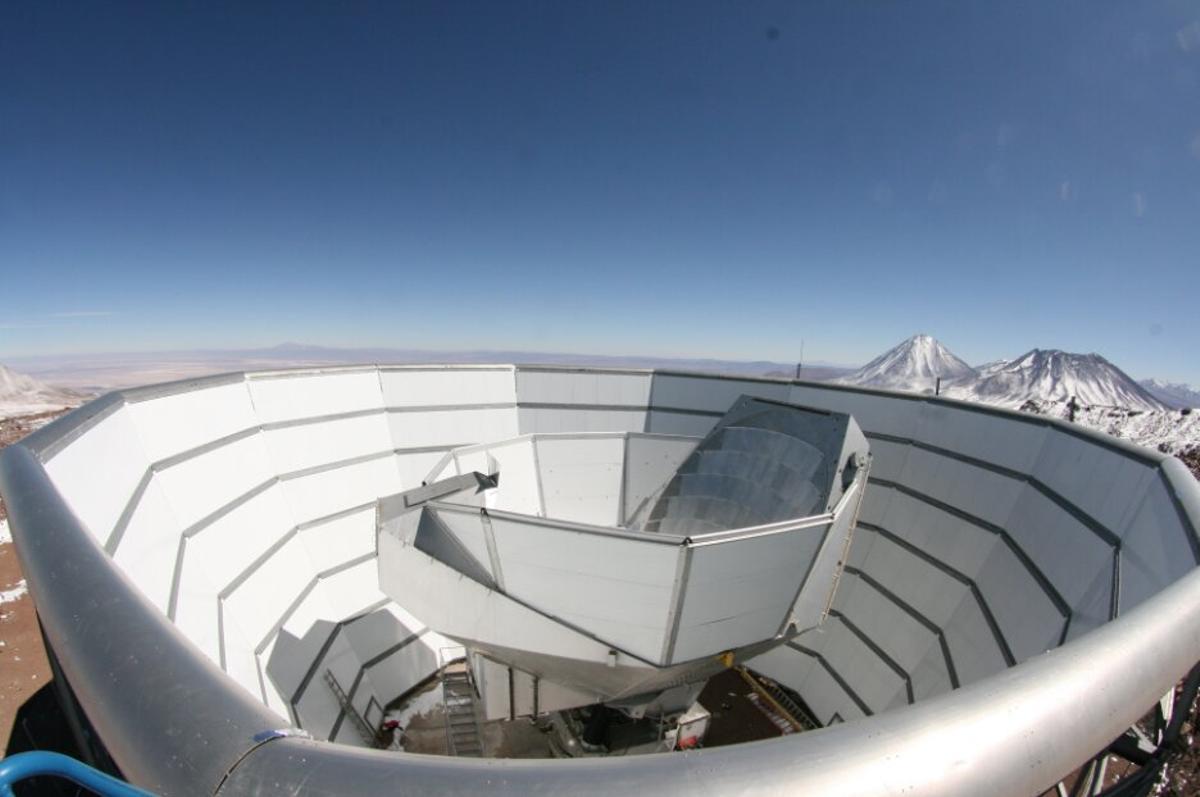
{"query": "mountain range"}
[(1173, 394), (914, 365), (1037, 375), (21, 394), (1083, 388)]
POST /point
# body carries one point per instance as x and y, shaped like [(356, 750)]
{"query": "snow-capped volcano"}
[(1053, 375), (21, 394), (1044, 381), (1173, 394), (916, 365)]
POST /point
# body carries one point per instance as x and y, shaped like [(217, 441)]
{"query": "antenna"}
[(800, 364)]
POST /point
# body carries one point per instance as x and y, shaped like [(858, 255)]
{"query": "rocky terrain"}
[(21, 394), (23, 666)]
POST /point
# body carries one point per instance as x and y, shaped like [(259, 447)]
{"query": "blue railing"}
[(21, 766)]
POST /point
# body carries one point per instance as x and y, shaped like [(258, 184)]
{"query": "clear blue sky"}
[(718, 179)]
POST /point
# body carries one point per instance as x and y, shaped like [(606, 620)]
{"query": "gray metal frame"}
[(191, 730)]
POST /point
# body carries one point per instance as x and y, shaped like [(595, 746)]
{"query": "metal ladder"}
[(784, 712), (364, 730), (463, 734)]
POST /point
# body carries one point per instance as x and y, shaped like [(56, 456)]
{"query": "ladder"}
[(779, 707), (364, 730), (463, 735)]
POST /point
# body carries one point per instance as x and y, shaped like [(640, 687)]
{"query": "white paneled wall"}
[(272, 477), (99, 471)]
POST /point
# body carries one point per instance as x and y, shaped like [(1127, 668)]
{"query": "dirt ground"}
[(23, 666)]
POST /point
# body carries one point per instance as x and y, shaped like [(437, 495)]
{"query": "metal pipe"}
[(173, 722), (177, 725), (999, 737)]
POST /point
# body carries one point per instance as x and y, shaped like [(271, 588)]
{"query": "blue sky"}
[(695, 179)]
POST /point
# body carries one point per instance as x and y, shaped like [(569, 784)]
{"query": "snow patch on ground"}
[(1168, 431), (5, 534), (14, 594), (16, 410)]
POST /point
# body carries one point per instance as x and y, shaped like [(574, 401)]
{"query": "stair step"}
[(462, 721)]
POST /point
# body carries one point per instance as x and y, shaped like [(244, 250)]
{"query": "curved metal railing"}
[(177, 725)]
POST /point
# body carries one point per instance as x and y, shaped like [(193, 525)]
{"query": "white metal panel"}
[(740, 592), (445, 387), (888, 459), (680, 423), (582, 387), (962, 545), (289, 658), (873, 681), (311, 395), (673, 391), (1156, 550), (468, 530), (406, 661), (814, 597), (293, 448), (204, 484), (1024, 612), (98, 472), (491, 678), (617, 588), (275, 699), (1091, 476), (353, 589), (267, 593), (150, 544), (875, 507), (181, 421), (581, 478), (650, 461), (976, 654), (399, 671), (362, 699), (241, 664), (318, 708), (224, 549), (196, 611), (882, 414), (930, 591), (910, 644), (311, 612), (983, 493), (828, 700), (1064, 549), (930, 676), (477, 613), (555, 697), (414, 467), (443, 427), (339, 539), (553, 420), (519, 489), (1008, 442), (326, 492), (1093, 608)]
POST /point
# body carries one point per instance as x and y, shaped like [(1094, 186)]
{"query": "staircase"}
[(463, 735), (780, 709), (367, 733)]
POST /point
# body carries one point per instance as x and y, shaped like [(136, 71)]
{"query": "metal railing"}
[(40, 764), (178, 725)]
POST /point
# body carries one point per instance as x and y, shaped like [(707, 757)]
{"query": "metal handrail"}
[(39, 763), (176, 724)]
